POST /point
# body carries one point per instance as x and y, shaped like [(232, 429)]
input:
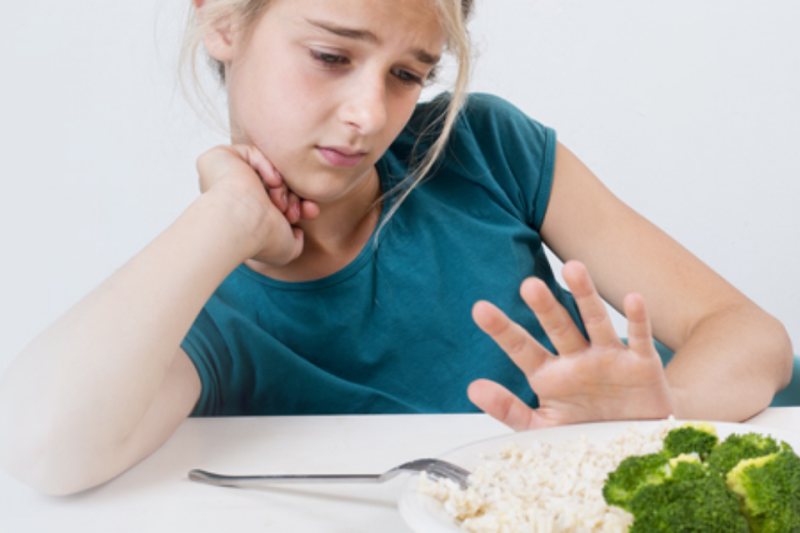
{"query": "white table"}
[(156, 496)]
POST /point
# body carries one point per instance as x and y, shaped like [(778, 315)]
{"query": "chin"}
[(323, 189), (319, 195)]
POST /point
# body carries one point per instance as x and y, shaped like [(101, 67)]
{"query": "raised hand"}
[(594, 380), (266, 209)]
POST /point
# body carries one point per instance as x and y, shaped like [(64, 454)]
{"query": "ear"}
[(217, 38)]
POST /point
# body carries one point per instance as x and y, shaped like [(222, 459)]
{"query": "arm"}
[(720, 337), (106, 384), (722, 340)]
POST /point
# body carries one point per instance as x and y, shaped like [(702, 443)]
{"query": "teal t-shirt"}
[(392, 332)]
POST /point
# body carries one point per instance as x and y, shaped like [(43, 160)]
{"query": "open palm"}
[(594, 380)]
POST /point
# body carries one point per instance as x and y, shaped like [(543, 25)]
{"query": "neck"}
[(340, 222)]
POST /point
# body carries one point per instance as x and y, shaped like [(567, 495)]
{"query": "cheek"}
[(273, 110), (399, 115)]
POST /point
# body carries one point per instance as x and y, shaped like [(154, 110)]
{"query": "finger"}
[(640, 335), (308, 210), (555, 320), (592, 308), (297, 233), (289, 248), (279, 198), (500, 403), (293, 208), (512, 338), (219, 162), (259, 162)]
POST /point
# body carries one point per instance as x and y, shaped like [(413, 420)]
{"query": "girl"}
[(318, 273)]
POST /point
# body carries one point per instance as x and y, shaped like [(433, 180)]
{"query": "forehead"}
[(410, 22)]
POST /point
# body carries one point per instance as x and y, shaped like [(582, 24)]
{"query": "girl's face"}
[(322, 87)]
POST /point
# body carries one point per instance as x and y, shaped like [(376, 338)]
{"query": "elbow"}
[(35, 466), (36, 454), (784, 354), (43, 483), (60, 486), (772, 350), (38, 446), (43, 468)]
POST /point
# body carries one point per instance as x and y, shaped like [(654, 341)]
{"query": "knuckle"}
[(516, 341), (217, 151), (595, 319), (516, 346), (558, 328)]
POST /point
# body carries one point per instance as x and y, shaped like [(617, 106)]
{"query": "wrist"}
[(234, 222), (226, 225)]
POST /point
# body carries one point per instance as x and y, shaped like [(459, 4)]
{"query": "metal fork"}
[(435, 468)]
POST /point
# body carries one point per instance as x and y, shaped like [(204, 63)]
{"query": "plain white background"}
[(689, 110)]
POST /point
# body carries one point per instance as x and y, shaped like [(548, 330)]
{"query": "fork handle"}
[(201, 476)]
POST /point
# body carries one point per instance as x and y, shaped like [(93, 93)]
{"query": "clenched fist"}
[(258, 201)]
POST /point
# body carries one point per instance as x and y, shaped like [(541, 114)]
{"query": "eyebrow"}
[(367, 36)]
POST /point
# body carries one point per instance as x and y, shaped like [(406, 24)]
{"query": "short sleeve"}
[(519, 151), (499, 148), (206, 347)]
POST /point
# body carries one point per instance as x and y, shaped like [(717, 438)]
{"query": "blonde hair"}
[(453, 14)]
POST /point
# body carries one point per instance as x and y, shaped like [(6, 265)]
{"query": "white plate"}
[(425, 514)]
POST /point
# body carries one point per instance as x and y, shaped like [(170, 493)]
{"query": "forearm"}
[(731, 365), (87, 381)]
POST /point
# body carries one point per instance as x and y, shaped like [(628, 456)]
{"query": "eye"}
[(432, 75), (407, 78), (328, 60)]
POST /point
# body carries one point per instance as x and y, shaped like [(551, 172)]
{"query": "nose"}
[(365, 105)]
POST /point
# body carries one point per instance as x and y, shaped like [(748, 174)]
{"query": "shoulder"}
[(479, 110), (483, 107), (487, 125), (494, 145)]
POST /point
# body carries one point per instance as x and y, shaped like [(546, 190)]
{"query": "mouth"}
[(339, 156)]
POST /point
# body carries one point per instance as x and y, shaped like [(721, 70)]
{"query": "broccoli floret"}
[(693, 500), (678, 494), (686, 467), (749, 483), (699, 438), (636, 471), (632, 474), (769, 488), (738, 447)]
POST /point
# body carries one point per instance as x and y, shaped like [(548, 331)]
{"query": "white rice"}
[(546, 488)]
